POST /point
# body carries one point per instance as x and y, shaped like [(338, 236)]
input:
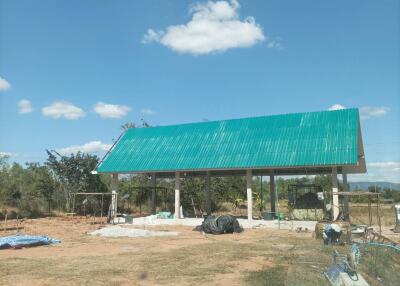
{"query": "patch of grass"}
[(381, 262), (271, 276)]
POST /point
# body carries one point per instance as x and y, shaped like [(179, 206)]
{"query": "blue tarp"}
[(18, 241)]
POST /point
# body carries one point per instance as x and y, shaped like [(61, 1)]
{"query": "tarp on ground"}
[(220, 225), (19, 241)]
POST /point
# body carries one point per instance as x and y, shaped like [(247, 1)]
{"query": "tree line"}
[(40, 189)]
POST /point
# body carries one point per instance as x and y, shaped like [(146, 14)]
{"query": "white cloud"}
[(147, 111), (90, 147), (380, 171), (4, 85), (386, 165), (336, 107), (111, 110), (214, 27), (5, 154), (367, 112), (24, 106), (64, 109)]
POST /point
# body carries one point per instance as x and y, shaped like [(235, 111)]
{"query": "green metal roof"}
[(289, 140)]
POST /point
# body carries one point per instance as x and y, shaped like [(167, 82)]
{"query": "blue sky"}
[(72, 72)]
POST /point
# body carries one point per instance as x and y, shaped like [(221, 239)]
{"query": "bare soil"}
[(188, 259)]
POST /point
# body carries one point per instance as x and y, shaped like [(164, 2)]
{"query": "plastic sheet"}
[(220, 225), (19, 241), (332, 233)]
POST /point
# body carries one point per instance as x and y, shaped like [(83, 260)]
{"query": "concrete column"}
[(249, 179), (177, 195), (153, 193), (335, 198), (114, 197), (346, 209), (208, 193), (272, 193)]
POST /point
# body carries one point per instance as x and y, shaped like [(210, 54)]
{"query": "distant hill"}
[(382, 185)]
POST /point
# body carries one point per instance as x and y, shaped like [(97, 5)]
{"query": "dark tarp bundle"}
[(332, 233), (19, 241), (220, 225)]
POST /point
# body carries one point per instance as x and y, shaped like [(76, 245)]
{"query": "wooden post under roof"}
[(153, 193), (272, 193), (208, 193)]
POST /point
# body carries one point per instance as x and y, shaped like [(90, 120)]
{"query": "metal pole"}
[(101, 211), (73, 206), (369, 211), (154, 194), (378, 206), (346, 198), (272, 194), (208, 193), (261, 195), (277, 205)]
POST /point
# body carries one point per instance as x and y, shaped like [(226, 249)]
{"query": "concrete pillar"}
[(153, 193), (249, 179), (114, 197), (335, 198), (272, 193), (208, 193), (177, 195), (346, 208)]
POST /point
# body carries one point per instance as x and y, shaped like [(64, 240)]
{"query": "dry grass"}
[(359, 214)]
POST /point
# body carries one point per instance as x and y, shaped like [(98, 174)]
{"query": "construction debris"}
[(323, 229), (344, 270), (332, 233)]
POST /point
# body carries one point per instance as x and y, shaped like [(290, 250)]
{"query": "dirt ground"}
[(254, 257)]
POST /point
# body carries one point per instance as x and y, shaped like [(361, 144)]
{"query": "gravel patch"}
[(117, 231), (256, 223)]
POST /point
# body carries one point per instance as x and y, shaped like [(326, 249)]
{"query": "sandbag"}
[(220, 225)]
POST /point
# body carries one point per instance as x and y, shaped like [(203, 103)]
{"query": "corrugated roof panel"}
[(301, 139)]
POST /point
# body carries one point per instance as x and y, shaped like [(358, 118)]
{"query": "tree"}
[(74, 173), (127, 126), (130, 125)]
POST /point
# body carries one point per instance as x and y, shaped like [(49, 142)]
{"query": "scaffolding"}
[(372, 198), (111, 210)]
